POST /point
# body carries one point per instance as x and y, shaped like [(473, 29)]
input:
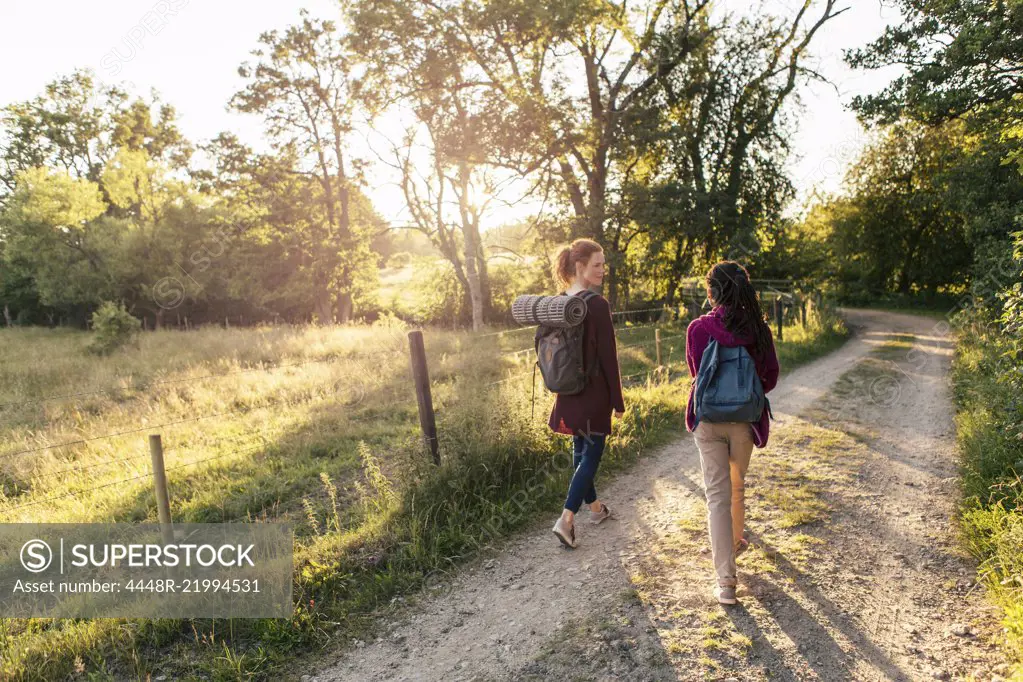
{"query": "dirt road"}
[(853, 572)]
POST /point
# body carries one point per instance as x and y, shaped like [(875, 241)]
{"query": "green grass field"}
[(318, 426)]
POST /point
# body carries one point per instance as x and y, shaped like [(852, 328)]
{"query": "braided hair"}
[(728, 285)]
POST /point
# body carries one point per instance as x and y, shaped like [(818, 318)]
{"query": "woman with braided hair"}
[(725, 447)]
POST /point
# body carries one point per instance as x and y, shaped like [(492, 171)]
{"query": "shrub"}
[(1012, 320), (112, 327), (989, 426)]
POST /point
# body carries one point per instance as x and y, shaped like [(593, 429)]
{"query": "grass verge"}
[(989, 427)]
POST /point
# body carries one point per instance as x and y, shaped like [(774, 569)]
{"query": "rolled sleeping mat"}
[(553, 311)]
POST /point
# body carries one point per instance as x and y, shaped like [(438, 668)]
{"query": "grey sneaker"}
[(565, 533), (725, 594), (599, 517)]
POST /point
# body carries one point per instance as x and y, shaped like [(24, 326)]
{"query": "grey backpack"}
[(728, 388), (559, 355)]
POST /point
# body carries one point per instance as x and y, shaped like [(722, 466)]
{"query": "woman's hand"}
[(619, 414)]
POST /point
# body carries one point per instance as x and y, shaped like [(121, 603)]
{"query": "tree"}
[(536, 56), (900, 227), (703, 167), (961, 57), (50, 241), (573, 77), (303, 87), (78, 125), (443, 159), (267, 220), (140, 186), (90, 180), (964, 62)]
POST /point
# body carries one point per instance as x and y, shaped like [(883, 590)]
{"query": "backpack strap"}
[(586, 295), (708, 365), (532, 400)]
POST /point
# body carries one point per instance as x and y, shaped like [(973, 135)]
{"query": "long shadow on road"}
[(828, 659)]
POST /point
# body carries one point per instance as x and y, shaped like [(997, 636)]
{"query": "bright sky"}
[(189, 51)]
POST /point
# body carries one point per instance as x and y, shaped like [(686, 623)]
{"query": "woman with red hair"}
[(586, 416)]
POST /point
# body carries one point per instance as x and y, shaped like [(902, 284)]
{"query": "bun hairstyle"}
[(728, 285), (578, 251)]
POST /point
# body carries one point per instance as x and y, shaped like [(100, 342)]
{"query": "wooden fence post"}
[(802, 311), (778, 316), (421, 378), (160, 488), (657, 345)]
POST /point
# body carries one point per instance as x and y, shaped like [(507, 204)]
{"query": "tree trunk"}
[(575, 193), (612, 286), (324, 308), (472, 271), (472, 252), (613, 271), (678, 264), (344, 307), (488, 295), (905, 279), (669, 298), (345, 303), (475, 289), (597, 186)]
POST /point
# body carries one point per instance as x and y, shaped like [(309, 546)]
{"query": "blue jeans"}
[(587, 451)]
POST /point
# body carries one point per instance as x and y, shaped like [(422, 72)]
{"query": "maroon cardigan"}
[(590, 410), (698, 334)]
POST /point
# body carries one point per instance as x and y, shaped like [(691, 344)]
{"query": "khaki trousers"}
[(725, 449)]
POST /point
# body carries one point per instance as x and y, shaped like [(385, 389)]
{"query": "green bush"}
[(112, 328), (1012, 321), (989, 427)]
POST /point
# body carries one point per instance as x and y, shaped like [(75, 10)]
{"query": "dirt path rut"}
[(852, 575)]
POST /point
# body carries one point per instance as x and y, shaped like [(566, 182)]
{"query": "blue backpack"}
[(728, 388)]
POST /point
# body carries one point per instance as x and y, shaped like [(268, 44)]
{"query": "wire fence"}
[(353, 394), (83, 491)]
